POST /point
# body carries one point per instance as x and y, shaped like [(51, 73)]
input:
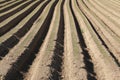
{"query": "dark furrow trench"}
[(23, 63), (10, 25), (104, 22), (12, 6), (102, 41), (3, 1), (6, 4), (57, 60), (7, 45), (89, 66), (2, 18)]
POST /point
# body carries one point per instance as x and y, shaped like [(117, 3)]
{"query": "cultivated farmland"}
[(59, 39)]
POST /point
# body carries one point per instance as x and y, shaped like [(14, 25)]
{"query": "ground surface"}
[(59, 40)]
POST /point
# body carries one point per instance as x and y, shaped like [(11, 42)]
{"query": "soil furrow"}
[(3, 17), (89, 66), (111, 5), (42, 67), (8, 11), (35, 45), (57, 59), (106, 8), (111, 42), (103, 42), (15, 38), (103, 61), (25, 59), (10, 7), (6, 3), (59, 40), (111, 24), (3, 2), (110, 14), (74, 66), (7, 27)]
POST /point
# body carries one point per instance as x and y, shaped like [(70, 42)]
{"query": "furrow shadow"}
[(7, 27), (2, 18), (23, 63), (57, 59), (89, 66), (7, 45), (10, 7), (103, 42)]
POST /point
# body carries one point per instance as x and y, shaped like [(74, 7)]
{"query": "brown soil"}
[(63, 40)]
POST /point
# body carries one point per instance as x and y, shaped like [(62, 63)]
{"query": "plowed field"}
[(59, 39)]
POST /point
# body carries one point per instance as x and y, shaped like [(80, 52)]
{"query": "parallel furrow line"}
[(10, 6), (15, 19), (22, 6), (26, 49), (13, 40)]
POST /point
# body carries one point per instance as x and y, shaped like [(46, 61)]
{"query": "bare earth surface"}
[(59, 40)]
